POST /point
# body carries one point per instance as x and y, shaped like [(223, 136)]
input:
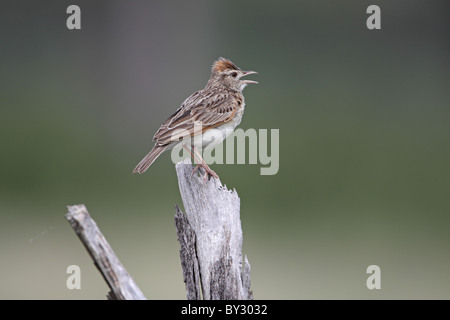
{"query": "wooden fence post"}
[(210, 237)]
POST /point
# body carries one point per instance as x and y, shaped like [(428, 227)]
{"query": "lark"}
[(220, 105)]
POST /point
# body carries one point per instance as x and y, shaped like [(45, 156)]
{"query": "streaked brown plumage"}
[(219, 105)]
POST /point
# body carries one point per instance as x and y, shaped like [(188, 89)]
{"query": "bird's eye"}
[(234, 74)]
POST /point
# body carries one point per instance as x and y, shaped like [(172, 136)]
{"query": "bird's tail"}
[(149, 159)]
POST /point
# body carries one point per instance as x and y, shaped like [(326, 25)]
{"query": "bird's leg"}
[(204, 165), (195, 158)]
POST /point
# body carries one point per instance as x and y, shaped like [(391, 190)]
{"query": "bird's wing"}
[(201, 111)]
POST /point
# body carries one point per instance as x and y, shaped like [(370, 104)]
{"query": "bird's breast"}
[(217, 134)]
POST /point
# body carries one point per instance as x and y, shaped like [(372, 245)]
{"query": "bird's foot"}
[(208, 172)]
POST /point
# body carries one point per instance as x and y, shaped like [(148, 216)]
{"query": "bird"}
[(220, 105)]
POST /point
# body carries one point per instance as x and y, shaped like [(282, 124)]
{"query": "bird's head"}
[(227, 73)]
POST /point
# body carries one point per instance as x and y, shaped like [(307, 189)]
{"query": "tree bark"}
[(210, 237)]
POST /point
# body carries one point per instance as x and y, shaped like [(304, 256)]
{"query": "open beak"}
[(245, 73)]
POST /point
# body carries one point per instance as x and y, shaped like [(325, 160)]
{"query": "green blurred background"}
[(364, 142)]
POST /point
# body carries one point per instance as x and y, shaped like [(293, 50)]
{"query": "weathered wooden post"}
[(210, 237), (116, 276)]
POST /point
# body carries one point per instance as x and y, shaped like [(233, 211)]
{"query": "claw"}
[(208, 172), (195, 169)]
